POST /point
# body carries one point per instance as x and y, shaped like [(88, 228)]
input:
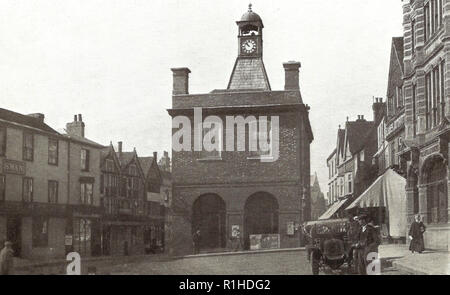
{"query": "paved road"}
[(278, 263)]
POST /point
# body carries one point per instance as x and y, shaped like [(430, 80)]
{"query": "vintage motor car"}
[(329, 246)]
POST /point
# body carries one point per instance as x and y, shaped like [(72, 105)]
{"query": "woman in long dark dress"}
[(416, 235)]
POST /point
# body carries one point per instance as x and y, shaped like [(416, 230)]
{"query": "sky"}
[(110, 61)]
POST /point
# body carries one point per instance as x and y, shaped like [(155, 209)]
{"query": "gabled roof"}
[(396, 66), (340, 142), (398, 44), (125, 158), (107, 152), (26, 121), (146, 163), (356, 133)]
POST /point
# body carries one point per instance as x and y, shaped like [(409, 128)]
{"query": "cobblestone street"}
[(276, 263)]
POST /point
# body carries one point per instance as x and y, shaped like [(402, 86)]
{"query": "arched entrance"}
[(260, 216), (208, 215), (435, 178)]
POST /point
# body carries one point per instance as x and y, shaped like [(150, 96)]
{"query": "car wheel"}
[(314, 264)]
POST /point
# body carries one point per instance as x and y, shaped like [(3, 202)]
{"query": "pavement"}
[(427, 263), (267, 262), (395, 260)]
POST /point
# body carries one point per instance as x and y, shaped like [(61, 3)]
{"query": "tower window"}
[(249, 30)]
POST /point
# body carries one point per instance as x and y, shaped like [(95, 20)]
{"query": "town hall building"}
[(239, 189)]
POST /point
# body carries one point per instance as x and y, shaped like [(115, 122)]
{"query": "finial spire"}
[(250, 7)]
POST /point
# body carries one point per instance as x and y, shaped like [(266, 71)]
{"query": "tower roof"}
[(250, 17)]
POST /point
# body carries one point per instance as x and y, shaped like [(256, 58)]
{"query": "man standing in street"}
[(368, 242), (196, 241), (6, 259), (416, 235), (353, 236)]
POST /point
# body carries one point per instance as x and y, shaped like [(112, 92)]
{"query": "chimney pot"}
[(180, 81), (119, 144), (80, 118), (291, 75), (76, 128)]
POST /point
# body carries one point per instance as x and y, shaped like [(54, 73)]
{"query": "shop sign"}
[(267, 241), (13, 167), (235, 230), (290, 228)]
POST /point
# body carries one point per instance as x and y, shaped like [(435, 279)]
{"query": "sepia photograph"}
[(206, 141)]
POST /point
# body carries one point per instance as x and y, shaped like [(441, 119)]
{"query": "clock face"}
[(249, 46)]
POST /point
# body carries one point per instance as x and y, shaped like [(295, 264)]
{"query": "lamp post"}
[(303, 212)]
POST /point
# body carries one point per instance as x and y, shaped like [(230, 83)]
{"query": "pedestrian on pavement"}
[(416, 235), (368, 242), (238, 245), (196, 241), (6, 259), (353, 237)]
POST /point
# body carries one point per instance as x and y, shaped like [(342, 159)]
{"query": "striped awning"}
[(332, 210)]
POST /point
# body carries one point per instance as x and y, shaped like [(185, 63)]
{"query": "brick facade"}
[(235, 176), (427, 108)]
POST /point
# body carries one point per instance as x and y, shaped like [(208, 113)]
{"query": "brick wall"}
[(235, 177)]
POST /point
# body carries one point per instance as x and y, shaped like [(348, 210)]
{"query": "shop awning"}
[(387, 191), (332, 210)]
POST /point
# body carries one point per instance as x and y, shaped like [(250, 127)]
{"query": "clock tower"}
[(250, 34), (249, 72)]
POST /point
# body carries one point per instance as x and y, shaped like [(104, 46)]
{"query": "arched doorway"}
[(208, 215), (435, 178), (260, 216)]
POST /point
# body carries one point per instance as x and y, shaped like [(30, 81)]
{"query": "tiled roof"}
[(125, 157), (146, 163), (105, 152), (249, 74), (84, 140), (398, 45), (356, 133), (25, 120)]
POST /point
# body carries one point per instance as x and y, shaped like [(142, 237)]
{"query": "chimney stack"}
[(180, 81), (76, 128), (38, 116), (155, 156), (378, 109), (119, 147), (291, 74)]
